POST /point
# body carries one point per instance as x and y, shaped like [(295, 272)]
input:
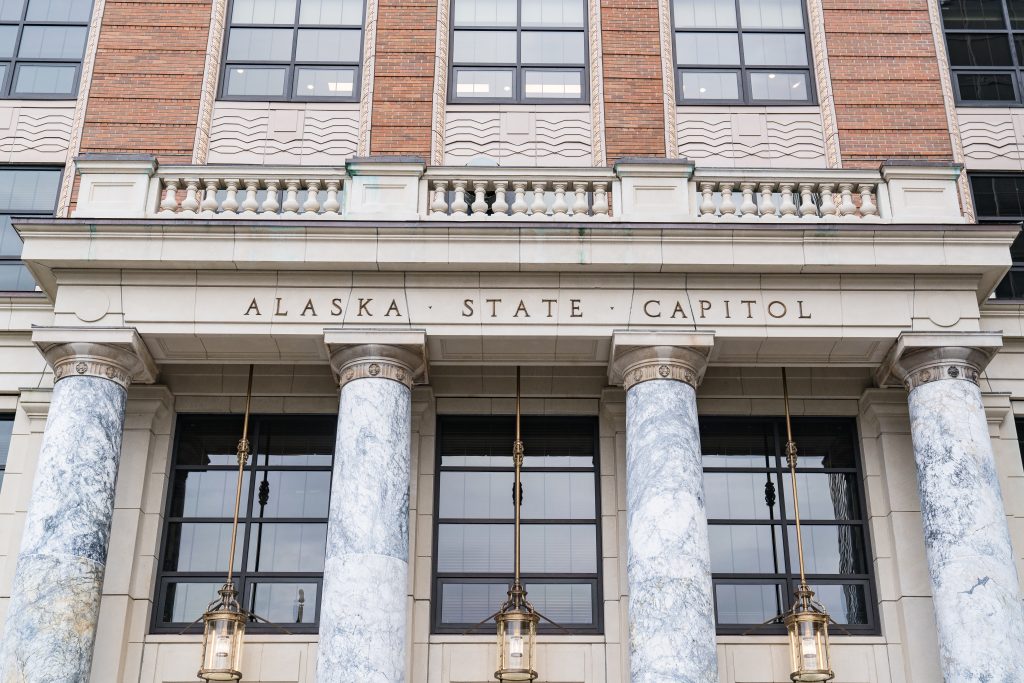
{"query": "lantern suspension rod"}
[(517, 457), (791, 459), (243, 459)]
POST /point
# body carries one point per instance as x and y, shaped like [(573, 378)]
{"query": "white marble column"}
[(671, 608), (975, 589), (365, 589), (55, 597)]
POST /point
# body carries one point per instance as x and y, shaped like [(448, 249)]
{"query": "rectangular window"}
[(474, 532), (742, 52), (751, 532), (24, 191), (42, 43), (282, 532), (518, 51), (999, 198), (985, 42), (6, 428), (293, 50)]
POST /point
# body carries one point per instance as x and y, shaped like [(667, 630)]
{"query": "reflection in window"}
[(282, 532), (475, 532), (6, 428), (984, 39), (999, 198), (746, 51), (42, 43), (24, 191), (751, 535), (302, 50), (505, 36)]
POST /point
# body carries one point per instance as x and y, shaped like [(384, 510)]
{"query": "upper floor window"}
[(742, 52), (6, 428), (42, 43), (299, 50), (985, 40), (24, 190), (999, 198), (518, 51)]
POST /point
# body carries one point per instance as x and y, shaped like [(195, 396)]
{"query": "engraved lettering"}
[(308, 308), (574, 308), (364, 305), (774, 306), (800, 308), (277, 308), (494, 306), (467, 308), (521, 307), (253, 308), (335, 307), (393, 307), (705, 306), (550, 303), (679, 311), (727, 314), (647, 310), (750, 308)]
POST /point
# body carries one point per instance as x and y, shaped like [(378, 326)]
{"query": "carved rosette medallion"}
[(91, 367), (660, 369), (945, 370), (376, 368)]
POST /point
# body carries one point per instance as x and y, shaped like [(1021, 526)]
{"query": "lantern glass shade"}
[(517, 636), (222, 645), (808, 645)]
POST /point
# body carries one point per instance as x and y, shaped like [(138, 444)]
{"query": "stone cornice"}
[(643, 356), (382, 354), (922, 357), (111, 353)]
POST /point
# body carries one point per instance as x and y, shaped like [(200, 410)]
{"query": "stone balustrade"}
[(800, 197)]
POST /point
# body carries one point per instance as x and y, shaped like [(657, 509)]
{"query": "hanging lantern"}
[(223, 632), (517, 638), (807, 623)]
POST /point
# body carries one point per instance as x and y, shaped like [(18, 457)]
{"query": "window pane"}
[(979, 49), (205, 494), (484, 12), (746, 549), (830, 549), (707, 48), (552, 12), (742, 495), (298, 442), (846, 603), (6, 429), (325, 82), (200, 547), (283, 603), (1016, 11), (488, 548), (825, 443), (470, 603), (52, 42), (328, 45), (208, 442), (771, 14), (559, 549), (479, 83), (323, 12), (748, 603), (986, 87), (976, 14), (552, 84), (484, 47), (488, 495), (255, 81), (704, 13), (14, 277), (58, 10), (3, 73), (10, 10), (552, 47), (563, 603), (287, 547), (8, 37), (999, 196), (828, 496), (725, 443), (779, 86), (292, 494), (37, 79), (474, 548), (263, 12), (185, 601), (10, 242), (28, 190), (711, 85), (787, 49), (260, 44)]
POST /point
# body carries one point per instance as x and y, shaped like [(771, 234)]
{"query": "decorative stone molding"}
[(117, 354), (597, 148), (366, 89), (919, 358), (439, 107), (377, 354), (823, 82), (211, 77), (668, 78), (643, 356)]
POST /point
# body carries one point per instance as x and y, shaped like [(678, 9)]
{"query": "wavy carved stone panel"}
[(274, 133), (35, 132), (752, 137), (993, 139), (548, 136)]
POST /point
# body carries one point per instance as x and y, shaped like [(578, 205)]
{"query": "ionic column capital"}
[(642, 356), (117, 354), (359, 354), (922, 357)]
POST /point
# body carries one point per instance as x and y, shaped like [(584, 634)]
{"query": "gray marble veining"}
[(975, 588), (671, 613), (363, 610), (55, 598)]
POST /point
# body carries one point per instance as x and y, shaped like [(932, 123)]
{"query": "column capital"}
[(117, 354), (645, 355), (399, 355), (921, 357)]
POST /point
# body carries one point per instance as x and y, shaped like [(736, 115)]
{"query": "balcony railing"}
[(206, 192)]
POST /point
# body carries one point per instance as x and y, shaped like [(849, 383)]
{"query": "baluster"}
[(209, 204), (439, 205), (600, 207), (290, 207), (808, 211), (170, 202), (828, 206), (459, 205), (270, 205), (707, 203), (249, 204), (748, 209), (727, 207), (190, 205), (311, 206), (229, 206), (479, 205), (519, 203), (788, 208), (331, 205), (580, 210), (539, 208), (499, 209), (847, 209), (868, 210), (767, 210), (560, 208)]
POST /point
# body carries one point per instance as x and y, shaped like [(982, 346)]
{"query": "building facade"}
[(652, 207)]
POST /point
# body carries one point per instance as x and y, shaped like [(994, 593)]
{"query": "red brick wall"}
[(885, 79), (633, 90), (403, 80)]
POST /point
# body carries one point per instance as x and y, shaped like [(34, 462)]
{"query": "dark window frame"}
[(292, 66), (14, 63), (439, 579), (6, 417), (1011, 287), (518, 67), (742, 70), (789, 578), (6, 260), (1014, 70), (243, 576)]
